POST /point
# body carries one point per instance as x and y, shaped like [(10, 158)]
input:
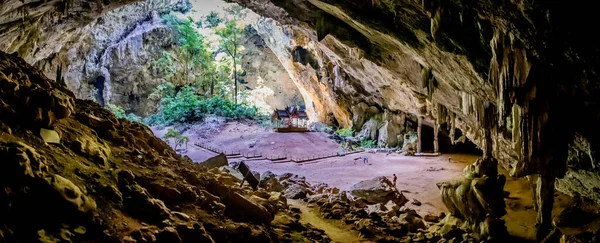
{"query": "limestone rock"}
[(215, 162), (43, 107), (412, 221), (50, 136), (71, 193), (270, 182), (295, 191), (377, 190), (478, 197), (370, 129), (233, 172), (168, 234), (410, 144)]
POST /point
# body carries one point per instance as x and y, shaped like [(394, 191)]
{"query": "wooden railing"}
[(273, 158)]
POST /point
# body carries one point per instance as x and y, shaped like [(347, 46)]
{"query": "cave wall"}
[(108, 56), (117, 45), (448, 61), (534, 63), (264, 77)]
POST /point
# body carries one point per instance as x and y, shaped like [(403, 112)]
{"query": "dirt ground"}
[(417, 176)]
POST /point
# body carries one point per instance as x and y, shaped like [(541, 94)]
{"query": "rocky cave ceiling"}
[(526, 71)]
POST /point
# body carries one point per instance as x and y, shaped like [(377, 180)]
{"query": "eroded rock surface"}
[(110, 180)]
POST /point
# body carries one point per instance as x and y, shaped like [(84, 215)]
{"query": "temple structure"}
[(290, 119)]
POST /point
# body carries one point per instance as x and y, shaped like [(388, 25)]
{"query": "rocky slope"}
[(74, 173)]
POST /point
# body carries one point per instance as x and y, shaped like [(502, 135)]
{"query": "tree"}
[(178, 138), (230, 44), (191, 61), (212, 20)]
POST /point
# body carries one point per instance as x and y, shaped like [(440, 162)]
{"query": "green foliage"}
[(230, 44), (187, 106), (226, 108), (212, 20), (368, 143), (163, 90), (177, 137), (176, 108), (345, 132), (164, 65), (171, 20), (191, 60), (119, 112)]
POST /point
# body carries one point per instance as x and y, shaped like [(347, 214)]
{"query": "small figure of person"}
[(365, 160), (394, 180)]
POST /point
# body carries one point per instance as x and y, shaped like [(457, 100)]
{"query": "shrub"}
[(220, 106), (187, 106), (119, 112), (178, 108), (345, 132), (177, 137), (368, 143)]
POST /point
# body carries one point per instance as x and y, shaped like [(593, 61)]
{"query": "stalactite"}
[(442, 113), (488, 121), (509, 69), (452, 128), (465, 101), (428, 81), (516, 129)]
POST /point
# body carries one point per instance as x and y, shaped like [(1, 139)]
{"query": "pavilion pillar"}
[(436, 129), (420, 124)]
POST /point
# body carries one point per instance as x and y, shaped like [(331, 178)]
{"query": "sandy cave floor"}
[(417, 176)]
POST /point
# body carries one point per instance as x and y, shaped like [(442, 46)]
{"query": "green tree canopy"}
[(212, 20), (230, 44)]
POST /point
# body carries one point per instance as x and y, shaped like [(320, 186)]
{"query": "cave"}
[(422, 121), (99, 89), (304, 56)]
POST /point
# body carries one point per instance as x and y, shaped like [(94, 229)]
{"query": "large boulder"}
[(388, 133), (370, 129), (269, 181), (237, 176), (296, 191), (378, 190), (215, 162), (410, 143)]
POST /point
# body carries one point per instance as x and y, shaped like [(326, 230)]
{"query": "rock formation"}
[(446, 62), (518, 78), (111, 180)]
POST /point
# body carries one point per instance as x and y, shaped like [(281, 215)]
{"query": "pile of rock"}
[(373, 207), (103, 179)]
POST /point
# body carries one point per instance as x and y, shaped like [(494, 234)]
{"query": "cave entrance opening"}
[(461, 145), (99, 85)]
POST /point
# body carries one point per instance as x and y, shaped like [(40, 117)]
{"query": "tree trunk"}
[(212, 85), (235, 85)]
